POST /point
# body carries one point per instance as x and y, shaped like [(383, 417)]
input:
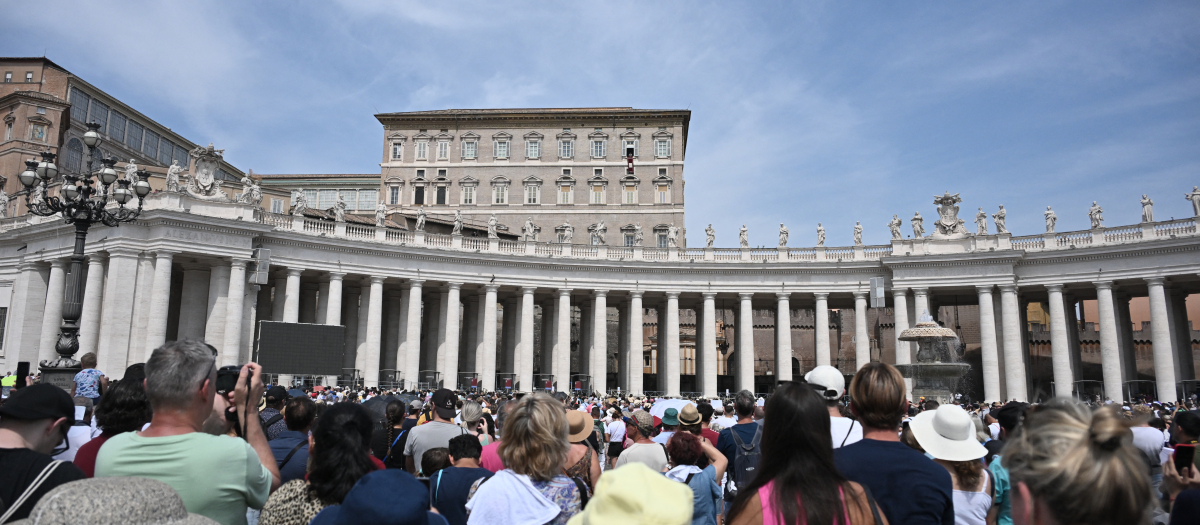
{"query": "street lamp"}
[(83, 205)]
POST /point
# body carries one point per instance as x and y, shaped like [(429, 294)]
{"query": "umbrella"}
[(296, 392), (377, 407), (660, 407)]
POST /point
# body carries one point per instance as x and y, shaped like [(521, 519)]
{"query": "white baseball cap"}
[(830, 378)]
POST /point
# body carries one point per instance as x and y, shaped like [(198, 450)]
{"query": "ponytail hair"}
[(1081, 464), (340, 453), (395, 416)]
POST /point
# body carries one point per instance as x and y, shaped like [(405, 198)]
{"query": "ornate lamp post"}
[(83, 205)]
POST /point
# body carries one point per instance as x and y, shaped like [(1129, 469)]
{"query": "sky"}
[(802, 112)]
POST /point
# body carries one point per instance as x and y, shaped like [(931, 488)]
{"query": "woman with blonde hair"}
[(532, 488), (1068, 464), (472, 417)]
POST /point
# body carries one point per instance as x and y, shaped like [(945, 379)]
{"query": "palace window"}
[(662, 239), (631, 147), (116, 126), (367, 199), (394, 194), (566, 149), (150, 144), (420, 174), (564, 194), (133, 136), (79, 105), (468, 195), (351, 198), (8, 131), (165, 149), (441, 195), (533, 194), (501, 149), (327, 199), (630, 195), (98, 113), (500, 194), (662, 148), (629, 239), (598, 147), (419, 195), (7, 77), (73, 160), (422, 150), (29, 76), (310, 195), (397, 151), (664, 194), (443, 150), (597, 194), (469, 149), (533, 149), (276, 205)]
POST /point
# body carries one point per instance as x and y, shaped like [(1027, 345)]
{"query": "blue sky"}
[(803, 112)]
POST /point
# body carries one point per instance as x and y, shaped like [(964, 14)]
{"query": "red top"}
[(85, 457), (710, 435)]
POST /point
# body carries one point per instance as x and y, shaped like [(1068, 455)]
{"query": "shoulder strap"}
[(688, 481), (583, 492), (991, 486), (757, 437), (848, 432), (37, 483), (871, 503), (292, 453), (274, 419)]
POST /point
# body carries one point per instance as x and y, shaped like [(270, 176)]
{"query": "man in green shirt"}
[(217, 476)]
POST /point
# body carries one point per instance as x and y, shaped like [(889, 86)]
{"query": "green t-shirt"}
[(1003, 489), (217, 476)]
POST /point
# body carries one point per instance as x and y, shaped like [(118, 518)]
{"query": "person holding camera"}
[(216, 475)]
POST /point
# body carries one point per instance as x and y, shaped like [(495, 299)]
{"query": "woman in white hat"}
[(948, 434)]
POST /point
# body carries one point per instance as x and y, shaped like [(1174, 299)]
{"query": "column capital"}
[(1155, 281), (294, 272), (636, 294), (414, 283), (240, 261), (377, 279), (336, 276), (984, 288), (451, 286), (28, 265), (673, 295), (1054, 288), (899, 292), (783, 296), (708, 295), (564, 292), (860, 295), (491, 287), (745, 295), (1008, 288), (599, 293), (1103, 285), (123, 252), (821, 296), (59, 263), (528, 290), (165, 254), (920, 291)]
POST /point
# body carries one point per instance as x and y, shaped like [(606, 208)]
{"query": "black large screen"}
[(300, 348)]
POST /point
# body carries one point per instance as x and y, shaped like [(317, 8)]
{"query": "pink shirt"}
[(490, 458)]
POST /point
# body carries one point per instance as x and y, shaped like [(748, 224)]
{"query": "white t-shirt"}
[(616, 432), (845, 431), (723, 421), (994, 428)]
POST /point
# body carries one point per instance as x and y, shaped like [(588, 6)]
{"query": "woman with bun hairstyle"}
[(1068, 464)]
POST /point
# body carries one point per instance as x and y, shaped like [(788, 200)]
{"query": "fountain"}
[(937, 371)]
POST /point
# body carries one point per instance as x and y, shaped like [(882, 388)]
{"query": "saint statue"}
[(173, 176), (820, 235), (1096, 214), (492, 227), (981, 222), (998, 217), (527, 232), (457, 230), (131, 171), (301, 203), (339, 209), (380, 214), (948, 223), (918, 224), (1194, 197), (1051, 219), (894, 225), (598, 232), (420, 219), (672, 236), (638, 238), (1147, 209), (3, 203), (783, 235), (37, 195), (710, 235), (857, 233), (743, 238), (251, 192), (568, 234)]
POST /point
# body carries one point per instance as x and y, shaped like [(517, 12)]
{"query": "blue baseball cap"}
[(383, 497)]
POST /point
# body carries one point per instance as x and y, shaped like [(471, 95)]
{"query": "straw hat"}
[(947, 433), (689, 415), (579, 425)]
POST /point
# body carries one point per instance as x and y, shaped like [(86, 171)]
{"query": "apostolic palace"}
[(544, 248)]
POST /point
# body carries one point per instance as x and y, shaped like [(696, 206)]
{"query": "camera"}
[(227, 378)]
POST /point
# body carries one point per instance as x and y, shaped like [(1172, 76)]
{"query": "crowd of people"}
[(177, 440)]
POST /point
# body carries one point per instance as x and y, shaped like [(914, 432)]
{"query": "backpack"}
[(745, 461)]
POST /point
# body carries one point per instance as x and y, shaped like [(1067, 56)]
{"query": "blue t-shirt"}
[(725, 443), (282, 445), (1003, 491), (87, 383), (705, 494), (448, 490), (909, 487)]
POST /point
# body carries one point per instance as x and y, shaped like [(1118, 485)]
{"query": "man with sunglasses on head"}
[(33, 426)]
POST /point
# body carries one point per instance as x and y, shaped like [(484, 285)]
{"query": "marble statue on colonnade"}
[(743, 238), (421, 219), (710, 235), (1096, 214), (173, 176), (1194, 197), (638, 239), (529, 231), (894, 225), (1051, 219), (918, 224), (301, 202), (339, 209), (981, 222), (457, 229), (999, 218), (3, 201), (203, 183), (251, 192), (820, 235), (380, 214), (672, 236), (1147, 209), (783, 235), (492, 227), (568, 232), (131, 171), (598, 231), (857, 233)]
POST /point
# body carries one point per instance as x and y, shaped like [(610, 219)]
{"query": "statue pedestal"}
[(63, 378), (456, 241)]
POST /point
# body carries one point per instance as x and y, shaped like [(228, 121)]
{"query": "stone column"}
[(374, 331), (635, 345), (583, 360), (1014, 361), (598, 364), (468, 343), (113, 352), (744, 380), (448, 354), (93, 295), (987, 345), (218, 300), (671, 359), (308, 303), (52, 314), (862, 341), (507, 360), (1164, 347), (660, 350), (279, 298), (921, 301), (412, 337), (401, 320), (160, 302), (524, 353), (486, 355), (193, 303), (291, 294), (25, 325), (333, 311), (322, 303), (1060, 345), (562, 341), (391, 331), (234, 310), (706, 346), (783, 337), (350, 321), (900, 313), (364, 305), (623, 346), (142, 297), (1110, 353), (249, 318), (820, 328)]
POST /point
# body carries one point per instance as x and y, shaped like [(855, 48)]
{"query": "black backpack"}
[(745, 461)]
